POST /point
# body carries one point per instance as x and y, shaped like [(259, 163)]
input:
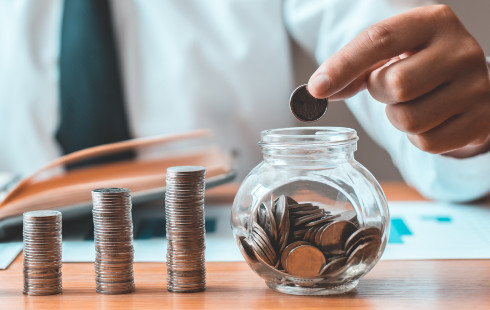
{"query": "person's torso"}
[(223, 65)]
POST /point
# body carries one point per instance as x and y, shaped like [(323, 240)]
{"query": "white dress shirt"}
[(223, 64)]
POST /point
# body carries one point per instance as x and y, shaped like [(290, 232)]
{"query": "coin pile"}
[(305, 107), (184, 211), (42, 252), (305, 240), (113, 236)]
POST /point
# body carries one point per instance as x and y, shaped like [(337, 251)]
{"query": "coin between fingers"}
[(305, 107)]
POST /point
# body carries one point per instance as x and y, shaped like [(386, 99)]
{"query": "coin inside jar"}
[(305, 107), (331, 237), (338, 240), (304, 261), (333, 265)]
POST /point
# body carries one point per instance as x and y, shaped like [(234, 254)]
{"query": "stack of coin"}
[(305, 240), (113, 236), (42, 252), (184, 211)]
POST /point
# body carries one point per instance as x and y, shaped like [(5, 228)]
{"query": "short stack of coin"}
[(42, 252), (113, 236), (289, 234), (184, 211)]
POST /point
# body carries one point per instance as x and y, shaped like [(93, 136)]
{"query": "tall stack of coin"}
[(42, 252), (184, 211), (113, 233)]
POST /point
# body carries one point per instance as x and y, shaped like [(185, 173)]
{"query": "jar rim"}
[(308, 136)]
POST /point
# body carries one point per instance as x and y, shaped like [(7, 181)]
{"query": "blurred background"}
[(474, 14)]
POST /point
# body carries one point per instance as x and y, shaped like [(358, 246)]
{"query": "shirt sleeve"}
[(323, 27)]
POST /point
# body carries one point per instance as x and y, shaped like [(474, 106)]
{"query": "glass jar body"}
[(310, 220)]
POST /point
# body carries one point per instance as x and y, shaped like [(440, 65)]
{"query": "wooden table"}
[(434, 284)]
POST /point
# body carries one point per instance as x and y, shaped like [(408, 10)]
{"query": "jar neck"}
[(306, 156), (308, 146)]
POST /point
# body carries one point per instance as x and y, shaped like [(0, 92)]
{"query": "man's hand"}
[(428, 69)]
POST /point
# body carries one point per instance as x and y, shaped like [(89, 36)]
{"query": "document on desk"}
[(8, 252), (419, 230), (434, 230)]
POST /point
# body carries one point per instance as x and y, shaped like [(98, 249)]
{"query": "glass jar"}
[(310, 219)]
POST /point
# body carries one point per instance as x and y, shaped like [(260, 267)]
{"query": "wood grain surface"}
[(435, 284)]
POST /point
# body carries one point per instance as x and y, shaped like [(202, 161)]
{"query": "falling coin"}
[(305, 107)]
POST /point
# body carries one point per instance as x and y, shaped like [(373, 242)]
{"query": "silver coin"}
[(184, 211), (113, 239), (42, 252)]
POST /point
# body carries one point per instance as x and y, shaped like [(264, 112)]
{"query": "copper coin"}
[(301, 207), (247, 251), (333, 237), (360, 241), (323, 220), (304, 261), (264, 240), (365, 252), (333, 265), (265, 218), (259, 251), (280, 211), (361, 233), (288, 249), (290, 201), (311, 234)]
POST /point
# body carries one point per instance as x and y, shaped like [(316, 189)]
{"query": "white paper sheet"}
[(430, 230), (8, 252), (5, 180)]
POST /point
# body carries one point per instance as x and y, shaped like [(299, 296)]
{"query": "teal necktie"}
[(91, 93)]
